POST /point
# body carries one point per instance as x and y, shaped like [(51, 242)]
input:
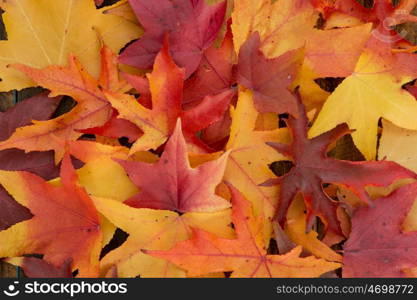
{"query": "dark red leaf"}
[(312, 168), (377, 245), (191, 26), (214, 74), (172, 184)]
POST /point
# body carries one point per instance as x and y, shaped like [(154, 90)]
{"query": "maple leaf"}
[(39, 36), (92, 108), (269, 79), (39, 268), (248, 161), (182, 188), (166, 86), (215, 74), (154, 230), (378, 245), (312, 168), (282, 25), (65, 222), (191, 25), (328, 55), (246, 255), (373, 91), (41, 163)]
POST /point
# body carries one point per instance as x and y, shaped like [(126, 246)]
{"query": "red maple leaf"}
[(312, 168), (377, 245), (171, 183), (215, 74), (191, 25), (168, 101), (269, 79), (65, 222)]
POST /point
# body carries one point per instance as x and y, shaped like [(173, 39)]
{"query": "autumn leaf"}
[(282, 25), (248, 161), (269, 79), (153, 230), (92, 107), (215, 74), (41, 33), (373, 91), (65, 223), (166, 88), (378, 245), (182, 189), (208, 138), (191, 26), (245, 256), (101, 176), (312, 168)]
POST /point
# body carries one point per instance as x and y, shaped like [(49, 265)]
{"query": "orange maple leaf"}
[(92, 108), (65, 222), (246, 256)]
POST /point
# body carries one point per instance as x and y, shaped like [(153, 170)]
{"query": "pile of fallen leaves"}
[(189, 138)]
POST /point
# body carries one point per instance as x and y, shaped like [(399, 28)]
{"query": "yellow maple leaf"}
[(282, 25), (370, 93), (248, 162), (45, 32), (166, 83), (154, 230)]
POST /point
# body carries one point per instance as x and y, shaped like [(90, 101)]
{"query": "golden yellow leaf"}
[(283, 25), (370, 93), (154, 230), (45, 32), (248, 162)]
